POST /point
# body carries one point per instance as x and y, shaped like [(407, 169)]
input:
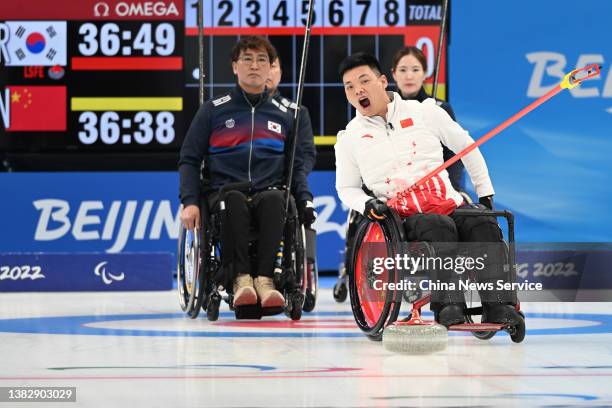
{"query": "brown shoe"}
[(244, 293), (268, 295)]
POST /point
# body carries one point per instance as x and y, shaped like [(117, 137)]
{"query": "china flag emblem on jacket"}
[(37, 108)]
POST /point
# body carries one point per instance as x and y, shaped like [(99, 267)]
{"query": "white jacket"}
[(389, 157)]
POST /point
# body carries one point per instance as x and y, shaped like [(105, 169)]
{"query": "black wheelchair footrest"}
[(248, 312), (256, 311), (271, 311)]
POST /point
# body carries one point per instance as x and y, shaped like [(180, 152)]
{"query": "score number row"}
[(327, 13)]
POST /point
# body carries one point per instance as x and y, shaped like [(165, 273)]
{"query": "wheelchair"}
[(201, 276), (373, 314), (340, 289)]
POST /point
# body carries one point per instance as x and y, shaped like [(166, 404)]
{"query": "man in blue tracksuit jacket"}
[(244, 136)]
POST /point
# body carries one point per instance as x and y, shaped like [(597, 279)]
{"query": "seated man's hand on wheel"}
[(190, 217), (306, 212), (375, 209), (487, 201)]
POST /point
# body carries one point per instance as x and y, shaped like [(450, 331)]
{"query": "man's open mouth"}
[(365, 102)]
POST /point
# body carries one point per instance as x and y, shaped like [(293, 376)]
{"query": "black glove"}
[(306, 213), (375, 209), (487, 201)]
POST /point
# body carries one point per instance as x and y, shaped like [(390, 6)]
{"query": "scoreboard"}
[(87, 83), (111, 81), (340, 27)]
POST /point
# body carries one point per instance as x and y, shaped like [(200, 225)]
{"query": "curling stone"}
[(415, 336)]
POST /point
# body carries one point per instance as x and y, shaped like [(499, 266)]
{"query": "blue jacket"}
[(305, 133), (238, 142)]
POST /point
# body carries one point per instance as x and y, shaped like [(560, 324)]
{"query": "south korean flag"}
[(273, 126), (36, 43)]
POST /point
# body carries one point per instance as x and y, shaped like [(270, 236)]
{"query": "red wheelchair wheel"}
[(373, 306)]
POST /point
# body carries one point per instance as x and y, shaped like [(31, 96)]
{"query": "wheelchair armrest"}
[(494, 213)]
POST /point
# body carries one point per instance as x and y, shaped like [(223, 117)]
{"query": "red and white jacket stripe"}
[(389, 156)]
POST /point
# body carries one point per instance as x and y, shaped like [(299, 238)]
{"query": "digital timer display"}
[(115, 77)]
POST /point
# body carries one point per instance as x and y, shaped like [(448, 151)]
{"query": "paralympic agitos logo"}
[(107, 277)]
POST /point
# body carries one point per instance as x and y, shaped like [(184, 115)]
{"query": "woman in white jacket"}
[(389, 145)]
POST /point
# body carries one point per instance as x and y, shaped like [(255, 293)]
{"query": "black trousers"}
[(486, 236), (262, 214)]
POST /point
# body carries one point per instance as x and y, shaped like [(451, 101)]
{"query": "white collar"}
[(391, 107)]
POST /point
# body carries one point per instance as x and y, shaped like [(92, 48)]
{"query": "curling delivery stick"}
[(296, 120), (434, 91), (570, 81)]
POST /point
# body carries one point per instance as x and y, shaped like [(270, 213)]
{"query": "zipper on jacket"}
[(388, 129), (261, 100), (251, 145)]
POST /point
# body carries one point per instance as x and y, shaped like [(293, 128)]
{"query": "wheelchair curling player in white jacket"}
[(389, 145)]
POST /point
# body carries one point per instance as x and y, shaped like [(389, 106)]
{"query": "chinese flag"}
[(406, 123), (37, 108)]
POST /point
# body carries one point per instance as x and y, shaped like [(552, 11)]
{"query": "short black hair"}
[(253, 42), (357, 60)]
